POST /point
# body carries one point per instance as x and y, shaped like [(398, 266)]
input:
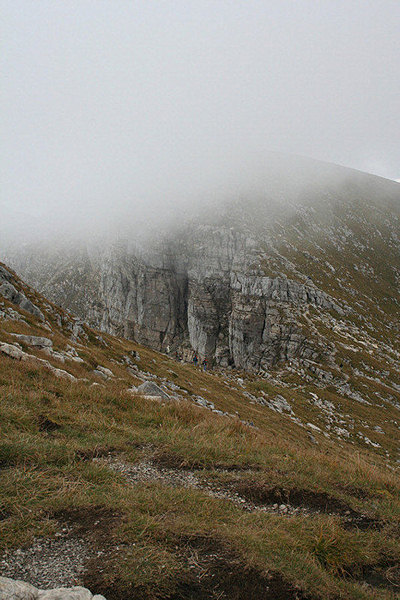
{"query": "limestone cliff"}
[(208, 295), (248, 285)]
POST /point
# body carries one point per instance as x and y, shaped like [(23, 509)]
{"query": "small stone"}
[(103, 371)]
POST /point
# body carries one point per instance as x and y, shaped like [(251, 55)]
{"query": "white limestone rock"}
[(149, 388), (10, 292), (104, 371), (16, 590), (16, 353), (33, 340)]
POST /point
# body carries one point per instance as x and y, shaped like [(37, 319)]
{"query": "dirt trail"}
[(147, 470), (249, 496)]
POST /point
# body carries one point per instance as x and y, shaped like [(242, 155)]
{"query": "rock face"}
[(206, 295)]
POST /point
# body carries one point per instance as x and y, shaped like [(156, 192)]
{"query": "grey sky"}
[(114, 103)]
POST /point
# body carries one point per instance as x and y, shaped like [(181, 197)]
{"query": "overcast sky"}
[(109, 103)]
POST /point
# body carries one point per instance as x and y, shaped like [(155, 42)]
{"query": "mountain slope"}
[(238, 486), (241, 282)]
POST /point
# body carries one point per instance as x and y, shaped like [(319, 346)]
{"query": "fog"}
[(117, 113)]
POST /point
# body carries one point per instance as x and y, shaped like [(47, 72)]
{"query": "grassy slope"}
[(165, 541)]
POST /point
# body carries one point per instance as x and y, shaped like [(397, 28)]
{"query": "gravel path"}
[(49, 563), (147, 471)]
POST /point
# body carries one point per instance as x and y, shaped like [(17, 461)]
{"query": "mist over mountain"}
[(131, 113), (249, 281), (278, 183)]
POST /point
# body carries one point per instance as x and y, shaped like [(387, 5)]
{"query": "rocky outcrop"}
[(33, 340), (10, 293)]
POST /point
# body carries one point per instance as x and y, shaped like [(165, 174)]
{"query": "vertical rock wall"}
[(207, 293)]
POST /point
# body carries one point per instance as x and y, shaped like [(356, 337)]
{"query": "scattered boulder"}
[(204, 402), (280, 404), (18, 354), (100, 374), (149, 388), (12, 351), (104, 371), (76, 326), (54, 354), (33, 340)]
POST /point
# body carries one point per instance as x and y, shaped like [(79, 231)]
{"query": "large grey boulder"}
[(148, 388), (16, 590), (11, 589), (12, 351)]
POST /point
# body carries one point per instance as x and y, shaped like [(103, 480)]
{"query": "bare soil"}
[(211, 572)]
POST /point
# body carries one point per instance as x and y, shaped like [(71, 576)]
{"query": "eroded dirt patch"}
[(385, 574), (47, 425), (249, 495), (321, 502), (217, 571), (90, 454), (168, 460), (209, 571), (94, 524)]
